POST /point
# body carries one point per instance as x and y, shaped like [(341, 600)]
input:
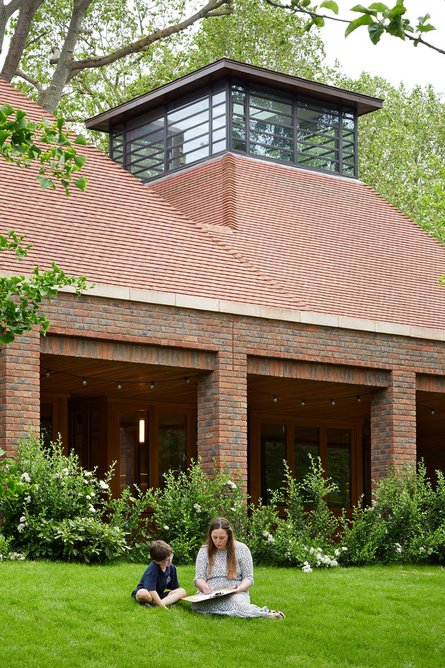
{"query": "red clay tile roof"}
[(120, 232), (331, 242), (235, 229)]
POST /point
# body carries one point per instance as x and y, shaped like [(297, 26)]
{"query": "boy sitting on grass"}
[(159, 575)]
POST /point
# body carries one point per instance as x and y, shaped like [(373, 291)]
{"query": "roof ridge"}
[(230, 207), (229, 191), (228, 163), (261, 274)]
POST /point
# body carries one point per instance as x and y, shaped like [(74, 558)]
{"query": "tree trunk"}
[(50, 97), (27, 10)]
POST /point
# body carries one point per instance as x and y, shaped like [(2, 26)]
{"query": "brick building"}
[(253, 301)]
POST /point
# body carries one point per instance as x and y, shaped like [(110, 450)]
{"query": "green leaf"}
[(79, 160), (331, 5), (45, 182), (6, 109), (425, 27), (8, 337), (318, 21), (81, 183), (357, 23), (80, 140), (397, 10), (396, 27), (379, 7), (362, 9), (375, 31)]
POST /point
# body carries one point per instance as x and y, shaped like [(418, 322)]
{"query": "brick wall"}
[(222, 414), (390, 362), (19, 390), (393, 424)]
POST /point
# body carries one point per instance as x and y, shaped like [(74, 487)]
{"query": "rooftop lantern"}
[(233, 107)]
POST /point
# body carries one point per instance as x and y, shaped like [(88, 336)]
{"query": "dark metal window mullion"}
[(340, 143), (165, 138), (355, 145), (211, 120), (229, 112), (125, 162), (247, 117), (296, 119)]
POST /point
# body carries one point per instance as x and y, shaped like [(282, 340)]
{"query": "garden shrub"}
[(6, 552), (188, 501), (296, 527), (130, 513), (306, 504), (263, 520), (405, 524), (53, 508)]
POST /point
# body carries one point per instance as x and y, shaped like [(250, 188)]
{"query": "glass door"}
[(133, 460)]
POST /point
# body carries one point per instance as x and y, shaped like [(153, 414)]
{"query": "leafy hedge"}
[(52, 508)]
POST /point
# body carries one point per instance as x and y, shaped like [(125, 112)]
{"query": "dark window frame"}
[(341, 160)]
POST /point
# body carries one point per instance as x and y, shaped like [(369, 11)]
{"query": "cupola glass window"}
[(236, 116)]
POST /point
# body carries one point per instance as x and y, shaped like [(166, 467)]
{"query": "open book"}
[(199, 597)]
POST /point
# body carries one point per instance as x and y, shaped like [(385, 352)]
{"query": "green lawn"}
[(76, 615)]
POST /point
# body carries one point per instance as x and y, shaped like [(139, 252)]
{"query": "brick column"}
[(19, 390), (393, 425), (222, 415)]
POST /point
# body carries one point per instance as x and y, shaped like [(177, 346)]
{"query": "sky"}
[(391, 58)]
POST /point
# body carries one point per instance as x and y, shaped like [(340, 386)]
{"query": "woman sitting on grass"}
[(225, 562)]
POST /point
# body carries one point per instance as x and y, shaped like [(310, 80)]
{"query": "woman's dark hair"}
[(222, 523)]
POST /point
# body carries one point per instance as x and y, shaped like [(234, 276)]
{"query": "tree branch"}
[(6, 11), (27, 8), (295, 9), (145, 42), (419, 40), (314, 16), (50, 97), (29, 79)]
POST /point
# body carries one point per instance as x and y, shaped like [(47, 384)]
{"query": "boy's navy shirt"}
[(155, 579)]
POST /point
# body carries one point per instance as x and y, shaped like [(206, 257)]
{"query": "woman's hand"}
[(203, 587), (244, 585)]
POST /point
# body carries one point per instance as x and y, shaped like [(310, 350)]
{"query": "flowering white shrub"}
[(6, 554), (322, 559), (52, 508), (268, 536), (404, 524)]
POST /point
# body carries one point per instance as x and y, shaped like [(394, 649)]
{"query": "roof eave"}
[(363, 104)]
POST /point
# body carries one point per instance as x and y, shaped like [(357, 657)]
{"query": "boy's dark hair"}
[(160, 550)]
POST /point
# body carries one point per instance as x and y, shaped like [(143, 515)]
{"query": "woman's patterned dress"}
[(234, 605)]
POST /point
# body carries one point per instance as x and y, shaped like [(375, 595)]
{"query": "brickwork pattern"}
[(222, 415), (19, 390), (238, 343), (393, 424)]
